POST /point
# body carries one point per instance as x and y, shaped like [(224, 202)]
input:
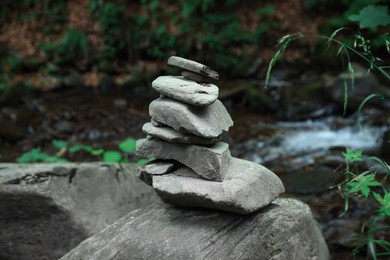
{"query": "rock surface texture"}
[(242, 191), (187, 91), (283, 230), (210, 162), (48, 209), (171, 135), (187, 122), (207, 122)]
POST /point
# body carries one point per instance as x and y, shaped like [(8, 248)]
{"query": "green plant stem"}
[(297, 36)]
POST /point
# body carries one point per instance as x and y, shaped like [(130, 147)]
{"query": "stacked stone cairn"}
[(193, 167)]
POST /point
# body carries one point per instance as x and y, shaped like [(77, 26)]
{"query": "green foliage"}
[(372, 16), (154, 31), (115, 25), (350, 8), (362, 184), (112, 156), (35, 155), (55, 15), (73, 47), (10, 63), (384, 203), (53, 12), (356, 184), (352, 156), (125, 153), (9, 6), (128, 145), (60, 144), (189, 7)]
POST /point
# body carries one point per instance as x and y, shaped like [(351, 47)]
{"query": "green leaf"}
[(128, 145), (59, 144), (372, 16), (79, 147), (35, 155), (353, 156), (54, 159), (362, 184), (97, 151), (385, 203), (112, 156)]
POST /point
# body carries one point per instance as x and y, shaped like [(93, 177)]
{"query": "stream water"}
[(308, 139)]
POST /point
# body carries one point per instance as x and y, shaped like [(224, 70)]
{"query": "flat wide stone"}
[(284, 230), (247, 187), (193, 66), (171, 135), (185, 90), (207, 122), (209, 162)]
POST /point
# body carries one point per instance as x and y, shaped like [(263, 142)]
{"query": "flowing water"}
[(309, 138)]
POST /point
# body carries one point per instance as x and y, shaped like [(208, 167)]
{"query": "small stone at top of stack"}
[(194, 87), (193, 70)]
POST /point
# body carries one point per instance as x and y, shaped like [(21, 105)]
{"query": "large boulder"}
[(47, 209), (284, 230)]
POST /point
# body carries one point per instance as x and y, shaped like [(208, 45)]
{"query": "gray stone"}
[(192, 66), (284, 230), (194, 76), (209, 162), (155, 123), (247, 187), (186, 91), (208, 122), (171, 135), (159, 167), (155, 167), (48, 209)]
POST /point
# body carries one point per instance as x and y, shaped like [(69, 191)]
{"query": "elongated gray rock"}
[(193, 66), (284, 230), (208, 122), (247, 187), (155, 167), (194, 76), (171, 135), (185, 90), (209, 162)]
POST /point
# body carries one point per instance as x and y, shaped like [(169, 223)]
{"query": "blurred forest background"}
[(75, 84), (72, 50)]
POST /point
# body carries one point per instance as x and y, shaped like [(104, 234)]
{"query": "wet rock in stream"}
[(365, 84), (310, 180)]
